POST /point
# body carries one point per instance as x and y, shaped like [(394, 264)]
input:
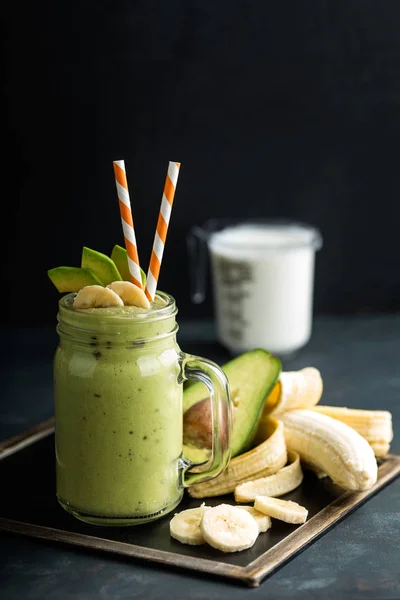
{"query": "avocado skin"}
[(253, 374), (72, 279), (101, 264)]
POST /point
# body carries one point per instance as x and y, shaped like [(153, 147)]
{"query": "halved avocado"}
[(101, 264), (72, 279), (251, 377), (120, 258)]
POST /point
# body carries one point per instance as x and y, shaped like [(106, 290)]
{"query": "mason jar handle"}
[(209, 373), (197, 239)]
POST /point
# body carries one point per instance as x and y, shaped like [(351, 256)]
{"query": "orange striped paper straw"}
[(162, 229), (127, 222)]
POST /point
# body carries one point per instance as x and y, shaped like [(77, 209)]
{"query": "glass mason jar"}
[(118, 380)]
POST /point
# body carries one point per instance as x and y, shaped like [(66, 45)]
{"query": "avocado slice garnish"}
[(101, 264), (120, 257), (96, 269), (72, 279)]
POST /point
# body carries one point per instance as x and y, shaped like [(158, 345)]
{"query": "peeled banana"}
[(282, 482), (96, 296), (319, 473), (229, 528), (294, 389), (284, 510), (331, 446), (131, 294), (185, 526), (266, 458), (374, 425)]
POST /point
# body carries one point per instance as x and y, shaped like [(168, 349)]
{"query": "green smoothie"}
[(118, 408)]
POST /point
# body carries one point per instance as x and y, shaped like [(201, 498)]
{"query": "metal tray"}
[(28, 506)]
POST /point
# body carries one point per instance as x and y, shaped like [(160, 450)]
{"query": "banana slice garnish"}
[(131, 294), (96, 296), (284, 510), (229, 528)]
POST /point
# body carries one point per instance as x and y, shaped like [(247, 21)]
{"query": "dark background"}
[(275, 109)]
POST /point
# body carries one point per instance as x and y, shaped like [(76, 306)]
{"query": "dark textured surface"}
[(359, 558)]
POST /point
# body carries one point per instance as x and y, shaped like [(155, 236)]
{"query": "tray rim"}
[(251, 575)]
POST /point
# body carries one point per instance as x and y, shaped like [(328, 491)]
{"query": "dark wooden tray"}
[(31, 508)]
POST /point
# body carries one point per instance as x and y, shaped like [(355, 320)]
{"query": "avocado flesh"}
[(101, 264), (251, 377), (120, 257), (72, 279)]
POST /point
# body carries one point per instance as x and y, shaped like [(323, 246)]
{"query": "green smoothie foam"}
[(118, 407)]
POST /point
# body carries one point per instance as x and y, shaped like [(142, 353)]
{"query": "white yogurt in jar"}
[(263, 276)]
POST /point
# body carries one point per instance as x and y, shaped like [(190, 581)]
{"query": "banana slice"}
[(294, 389), (130, 293), (229, 528), (282, 482), (333, 447), (284, 510), (185, 526), (96, 296), (263, 521)]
